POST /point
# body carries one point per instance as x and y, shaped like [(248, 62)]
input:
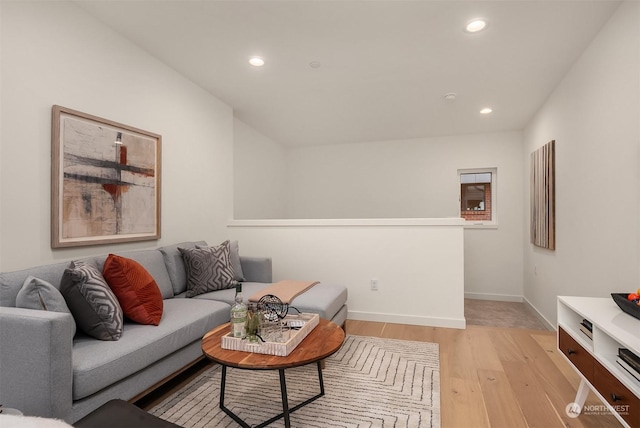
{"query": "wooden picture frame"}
[(543, 196), (105, 181)]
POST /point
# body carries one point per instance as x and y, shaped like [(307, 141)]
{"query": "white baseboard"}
[(496, 297), (539, 315), (459, 323)]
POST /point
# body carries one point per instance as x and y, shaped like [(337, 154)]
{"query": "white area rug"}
[(369, 382)]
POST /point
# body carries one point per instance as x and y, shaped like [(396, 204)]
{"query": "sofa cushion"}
[(12, 282), (153, 262), (234, 250), (208, 269), (41, 295), (175, 265), (135, 288), (323, 298), (97, 365), (257, 269), (94, 306)]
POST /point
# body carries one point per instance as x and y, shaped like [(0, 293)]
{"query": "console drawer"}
[(623, 401), (580, 358)]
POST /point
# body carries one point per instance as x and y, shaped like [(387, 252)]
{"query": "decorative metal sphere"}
[(273, 308)]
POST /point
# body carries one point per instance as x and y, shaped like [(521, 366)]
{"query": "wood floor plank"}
[(408, 332), (460, 356), (465, 405), (506, 347), (503, 409), (531, 396), (447, 391), (549, 377), (485, 355), (364, 328)]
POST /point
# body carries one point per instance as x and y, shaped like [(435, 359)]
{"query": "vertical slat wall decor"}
[(543, 195)]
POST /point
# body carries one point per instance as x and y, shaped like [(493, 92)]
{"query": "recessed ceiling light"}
[(450, 96), (256, 61), (315, 64), (475, 25), (486, 110)]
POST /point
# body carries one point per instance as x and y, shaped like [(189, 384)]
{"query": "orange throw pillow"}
[(135, 289)]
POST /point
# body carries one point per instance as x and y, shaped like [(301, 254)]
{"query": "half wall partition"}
[(418, 264)]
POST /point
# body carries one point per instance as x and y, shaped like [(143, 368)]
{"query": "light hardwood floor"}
[(497, 377), (489, 376)]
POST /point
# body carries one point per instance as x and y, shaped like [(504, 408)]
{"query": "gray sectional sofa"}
[(46, 371)]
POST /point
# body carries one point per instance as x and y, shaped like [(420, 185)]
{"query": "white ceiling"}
[(385, 65)]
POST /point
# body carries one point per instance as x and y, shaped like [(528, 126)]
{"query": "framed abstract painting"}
[(105, 181)]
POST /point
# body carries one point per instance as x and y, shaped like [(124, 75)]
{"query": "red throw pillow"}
[(135, 289)]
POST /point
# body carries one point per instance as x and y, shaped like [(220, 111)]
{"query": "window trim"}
[(481, 224)]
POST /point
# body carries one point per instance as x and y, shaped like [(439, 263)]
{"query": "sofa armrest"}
[(256, 269), (35, 362)]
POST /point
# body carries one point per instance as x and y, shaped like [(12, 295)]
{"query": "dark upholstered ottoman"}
[(121, 414)]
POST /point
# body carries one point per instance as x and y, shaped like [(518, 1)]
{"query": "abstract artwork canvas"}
[(543, 195), (105, 181)]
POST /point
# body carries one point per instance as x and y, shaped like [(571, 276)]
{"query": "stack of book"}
[(587, 328), (630, 362)]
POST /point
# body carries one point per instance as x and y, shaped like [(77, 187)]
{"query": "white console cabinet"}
[(595, 358)]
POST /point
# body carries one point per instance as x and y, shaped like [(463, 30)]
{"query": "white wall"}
[(594, 116), (259, 173), (388, 179), (54, 53), (418, 179)]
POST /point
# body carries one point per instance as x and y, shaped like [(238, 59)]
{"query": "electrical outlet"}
[(374, 284)]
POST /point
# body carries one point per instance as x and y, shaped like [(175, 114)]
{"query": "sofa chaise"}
[(46, 370)]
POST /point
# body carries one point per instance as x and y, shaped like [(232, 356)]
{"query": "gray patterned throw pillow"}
[(91, 301), (208, 269), (234, 255)]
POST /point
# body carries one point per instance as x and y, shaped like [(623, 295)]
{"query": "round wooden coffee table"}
[(321, 342)]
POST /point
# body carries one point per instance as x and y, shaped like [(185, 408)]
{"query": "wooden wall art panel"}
[(543, 195)]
